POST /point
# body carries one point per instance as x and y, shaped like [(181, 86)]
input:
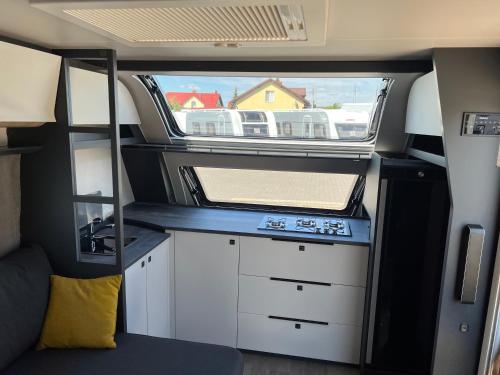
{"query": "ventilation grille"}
[(199, 24)]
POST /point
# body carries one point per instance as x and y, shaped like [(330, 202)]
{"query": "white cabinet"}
[(283, 297), (337, 264), (301, 299), (206, 287), (331, 342), (136, 297), (147, 293), (341, 304), (158, 291)]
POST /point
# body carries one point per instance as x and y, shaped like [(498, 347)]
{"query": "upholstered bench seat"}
[(24, 292), (135, 354)]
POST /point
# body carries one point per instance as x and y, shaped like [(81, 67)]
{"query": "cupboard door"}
[(206, 287), (158, 288), (136, 297)]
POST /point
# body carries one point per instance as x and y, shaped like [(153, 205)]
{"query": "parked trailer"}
[(308, 123), (349, 124), (223, 122), (301, 124)]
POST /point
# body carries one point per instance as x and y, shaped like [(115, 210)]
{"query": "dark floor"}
[(261, 364)]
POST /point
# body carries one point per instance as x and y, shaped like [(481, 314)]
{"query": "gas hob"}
[(305, 224)]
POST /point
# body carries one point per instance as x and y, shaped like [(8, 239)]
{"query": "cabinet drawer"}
[(337, 264), (332, 342), (328, 303)]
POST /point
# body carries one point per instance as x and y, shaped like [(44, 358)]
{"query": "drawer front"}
[(337, 264), (327, 303), (332, 342)]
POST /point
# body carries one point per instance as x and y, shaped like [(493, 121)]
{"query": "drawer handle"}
[(300, 287), (143, 264), (149, 259), (299, 281), (302, 247), (298, 320), (303, 240), (232, 242), (297, 326)]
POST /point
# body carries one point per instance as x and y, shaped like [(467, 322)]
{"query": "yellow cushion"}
[(81, 313)]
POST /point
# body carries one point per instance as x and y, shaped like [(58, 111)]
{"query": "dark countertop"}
[(230, 221), (146, 240)]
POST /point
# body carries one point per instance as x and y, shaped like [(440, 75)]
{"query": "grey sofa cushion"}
[(24, 293), (135, 354)]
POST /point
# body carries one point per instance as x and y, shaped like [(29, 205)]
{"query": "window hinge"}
[(152, 85)]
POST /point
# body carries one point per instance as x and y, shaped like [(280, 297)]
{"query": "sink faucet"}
[(94, 237)]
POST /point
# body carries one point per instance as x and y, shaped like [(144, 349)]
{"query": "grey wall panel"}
[(468, 80), (10, 203), (370, 197), (146, 176), (93, 170), (391, 135), (152, 126), (370, 203)]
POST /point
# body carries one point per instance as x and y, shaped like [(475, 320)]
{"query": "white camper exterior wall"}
[(89, 99), (423, 114), (29, 85)]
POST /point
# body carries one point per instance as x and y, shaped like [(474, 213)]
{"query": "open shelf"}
[(5, 150)]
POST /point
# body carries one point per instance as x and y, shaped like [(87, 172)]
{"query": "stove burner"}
[(274, 223), (333, 224), (306, 223), (316, 225)]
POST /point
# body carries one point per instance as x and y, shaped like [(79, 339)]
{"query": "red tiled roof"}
[(209, 99), (300, 91)]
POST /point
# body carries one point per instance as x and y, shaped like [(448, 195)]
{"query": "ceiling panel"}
[(356, 29)]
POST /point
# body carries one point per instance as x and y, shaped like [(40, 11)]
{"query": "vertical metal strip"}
[(491, 337), (114, 123), (371, 286), (115, 153), (65, 76), (376, 268)]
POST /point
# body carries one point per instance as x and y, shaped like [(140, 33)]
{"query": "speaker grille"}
[(198, 24)]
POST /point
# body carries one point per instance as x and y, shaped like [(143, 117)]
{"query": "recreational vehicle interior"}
[(260, 188)]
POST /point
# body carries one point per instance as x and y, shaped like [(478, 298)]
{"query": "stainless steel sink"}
[(110, 241)]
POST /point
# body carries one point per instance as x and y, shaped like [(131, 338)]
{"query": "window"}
[(307, 108), (306, 190), (269, 96)]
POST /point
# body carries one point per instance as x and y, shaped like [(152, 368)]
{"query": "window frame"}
[(195, 188), (177, 137), (270, 96)]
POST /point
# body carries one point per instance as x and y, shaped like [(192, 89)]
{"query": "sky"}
[(326, 90)]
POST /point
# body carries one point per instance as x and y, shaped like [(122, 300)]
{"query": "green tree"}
[(235, 92), (333, 106), (175, 105)]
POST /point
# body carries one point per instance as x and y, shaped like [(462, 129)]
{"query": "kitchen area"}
[(272, 289)]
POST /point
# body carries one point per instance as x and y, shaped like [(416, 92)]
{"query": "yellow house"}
[(271, 95)]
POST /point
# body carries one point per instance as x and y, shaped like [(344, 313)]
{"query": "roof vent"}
[(198, 24), (174, 22)]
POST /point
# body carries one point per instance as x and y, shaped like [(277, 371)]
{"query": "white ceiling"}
[(356, 29)]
